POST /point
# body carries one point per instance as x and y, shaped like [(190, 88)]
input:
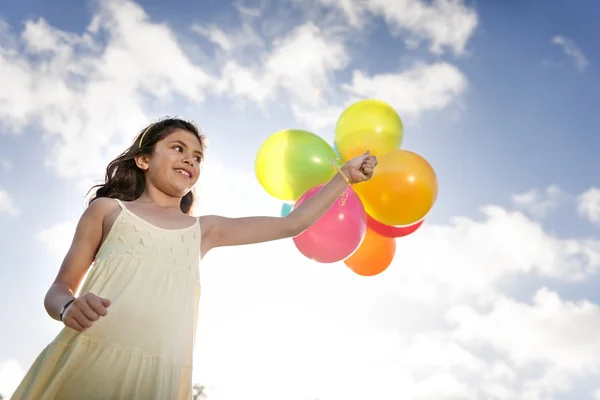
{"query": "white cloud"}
[(230, 41), (58, 237), (11, 374), (589, 205), (87, 92), (412, 92), (436, 350), (300, 78), (550, 342), (540, 204), (444, 23), (572, 51), (216, 36), (308, 81), (550, 330), (8, 204), (352, 10), (442, 386), (480, 255)]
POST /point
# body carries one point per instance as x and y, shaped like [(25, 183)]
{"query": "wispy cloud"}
[(443, 23), (539, 204), (89, 92), (8, 204), (572, 51), (589, 205)]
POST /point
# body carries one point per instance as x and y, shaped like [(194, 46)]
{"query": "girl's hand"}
[(360, 169), (84, 311)]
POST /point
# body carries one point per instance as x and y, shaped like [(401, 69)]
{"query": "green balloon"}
[(292, 161)]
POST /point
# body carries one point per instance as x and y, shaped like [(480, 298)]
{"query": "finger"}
[(81, 318), (73, 324), (370, 159), (95, 304), (88, 310), (367, 171), (368, 165), (105, 302), (363, 156)]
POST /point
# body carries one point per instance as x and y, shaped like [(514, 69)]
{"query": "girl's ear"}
[(142, 162)]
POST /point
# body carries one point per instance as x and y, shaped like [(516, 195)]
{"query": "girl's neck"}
[(159, 199)]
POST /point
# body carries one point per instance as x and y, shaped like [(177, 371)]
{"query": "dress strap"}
[(198, 227), (120, 203)]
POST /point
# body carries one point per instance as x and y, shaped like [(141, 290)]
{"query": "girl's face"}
[(174, 166)]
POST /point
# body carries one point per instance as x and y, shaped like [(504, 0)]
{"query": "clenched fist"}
[(84, 311), (361, 168)]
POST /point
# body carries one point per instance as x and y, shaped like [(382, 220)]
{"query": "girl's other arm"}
[(79, 258), (221, 231)]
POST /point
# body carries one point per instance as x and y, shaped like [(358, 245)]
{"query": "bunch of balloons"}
[(361, 227)]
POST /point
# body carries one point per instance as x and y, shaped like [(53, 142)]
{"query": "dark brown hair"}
[(125, 181)]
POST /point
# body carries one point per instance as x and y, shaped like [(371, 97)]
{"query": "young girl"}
[(130, 333)]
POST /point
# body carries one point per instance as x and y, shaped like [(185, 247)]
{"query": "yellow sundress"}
[(143, 348)]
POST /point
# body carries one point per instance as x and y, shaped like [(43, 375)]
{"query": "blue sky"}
[(503, 110)]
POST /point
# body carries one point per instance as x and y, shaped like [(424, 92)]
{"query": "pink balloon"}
[(392, 231), (338, 233)]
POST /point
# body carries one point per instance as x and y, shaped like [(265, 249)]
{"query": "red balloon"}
[(392, 231), (338, 233)]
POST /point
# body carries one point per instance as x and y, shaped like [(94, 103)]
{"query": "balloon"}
[(368, 125), (337, 153), (373, 256), (338, 232), (392, 231), (292, 161), (286, 208), (402, 190)]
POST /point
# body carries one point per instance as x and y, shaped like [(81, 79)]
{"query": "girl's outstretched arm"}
[(221, 231)]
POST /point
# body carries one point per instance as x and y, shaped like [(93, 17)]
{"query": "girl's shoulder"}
[(103, 205), (103, 209)]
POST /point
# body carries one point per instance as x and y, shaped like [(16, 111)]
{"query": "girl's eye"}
[(198, 159), (178, 147)]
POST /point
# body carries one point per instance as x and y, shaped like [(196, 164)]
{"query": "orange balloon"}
[(402, 191), (373, 256)]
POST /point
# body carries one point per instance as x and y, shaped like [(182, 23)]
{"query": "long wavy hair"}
[(125, 181)]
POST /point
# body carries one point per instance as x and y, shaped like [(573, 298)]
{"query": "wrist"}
[(342, 171), (65, 307), (345, 171)]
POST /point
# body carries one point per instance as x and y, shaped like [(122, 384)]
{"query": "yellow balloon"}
[(292, 161), (368, 125), (402, 191)]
